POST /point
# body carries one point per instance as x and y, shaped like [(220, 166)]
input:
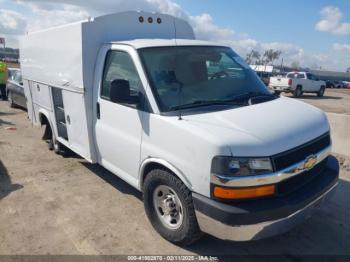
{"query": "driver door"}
[(119, 112)]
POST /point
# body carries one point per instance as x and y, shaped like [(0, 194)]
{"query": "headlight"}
[(240, 166)]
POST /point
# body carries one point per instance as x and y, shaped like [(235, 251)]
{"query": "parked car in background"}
[(11, 72), (15, 91), (339, 84), (346, 84), (330, 84), (298, 83)]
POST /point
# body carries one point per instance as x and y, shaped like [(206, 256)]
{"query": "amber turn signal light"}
[(244, 193)]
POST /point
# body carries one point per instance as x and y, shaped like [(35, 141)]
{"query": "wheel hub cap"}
[(168, 207)]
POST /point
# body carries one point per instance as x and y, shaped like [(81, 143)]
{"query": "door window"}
[(121, 83), (17, 77), (311, 77), (295, 75)]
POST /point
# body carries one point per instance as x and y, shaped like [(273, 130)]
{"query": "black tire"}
[(52, 143), (188, 231), (57, 147), (10, 100), (278, 93), (320, 92), (298, 92)]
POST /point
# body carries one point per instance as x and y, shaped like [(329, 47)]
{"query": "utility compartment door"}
[(119, 116), (76, 123)]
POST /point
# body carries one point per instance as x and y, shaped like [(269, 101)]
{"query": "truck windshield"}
[(193, 76)]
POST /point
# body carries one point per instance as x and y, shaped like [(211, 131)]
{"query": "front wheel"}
[(320, 92), (169, 207)]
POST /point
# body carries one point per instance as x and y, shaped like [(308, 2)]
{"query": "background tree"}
[(270, 56), (253, 57), (295, 65)]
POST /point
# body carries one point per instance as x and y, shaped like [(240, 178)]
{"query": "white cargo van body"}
[(58, 69), (186, 122)]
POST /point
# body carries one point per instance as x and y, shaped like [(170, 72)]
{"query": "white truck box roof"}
[(65, 56), (145, 43)]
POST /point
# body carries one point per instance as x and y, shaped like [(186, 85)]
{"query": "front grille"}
[(294, 183), (300, 153)]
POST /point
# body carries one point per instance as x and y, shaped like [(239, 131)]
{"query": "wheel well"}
[(48, 130), (300, 86), (151, 166), (43, 119)]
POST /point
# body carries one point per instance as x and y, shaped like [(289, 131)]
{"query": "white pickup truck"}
[(298, 83), (186, 122)]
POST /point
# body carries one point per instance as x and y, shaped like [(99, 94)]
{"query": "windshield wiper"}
[(200, 103), (248, 95), (239, 100)]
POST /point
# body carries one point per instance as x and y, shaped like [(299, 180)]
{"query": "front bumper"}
[(261, 218)]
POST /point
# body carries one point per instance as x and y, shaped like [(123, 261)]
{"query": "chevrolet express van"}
[(186, 122)]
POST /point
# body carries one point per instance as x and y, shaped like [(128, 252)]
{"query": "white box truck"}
[(186, 122)]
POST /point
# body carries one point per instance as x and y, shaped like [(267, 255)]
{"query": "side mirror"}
[(120, 93), (21, 83)]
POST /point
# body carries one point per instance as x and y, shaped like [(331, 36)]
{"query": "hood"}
[(263, 129)]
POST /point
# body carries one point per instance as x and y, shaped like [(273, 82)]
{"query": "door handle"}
[(98, 110)]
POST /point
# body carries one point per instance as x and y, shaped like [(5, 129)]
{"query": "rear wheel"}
[(169, 207), (298, 92), (50, 138), (320, 92), (56, 146)]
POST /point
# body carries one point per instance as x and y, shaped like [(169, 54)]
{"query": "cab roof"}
[(144, 43)]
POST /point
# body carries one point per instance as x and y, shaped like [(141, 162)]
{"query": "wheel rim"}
[(168, 207)]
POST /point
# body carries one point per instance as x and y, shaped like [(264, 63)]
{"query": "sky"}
[(312, 33)]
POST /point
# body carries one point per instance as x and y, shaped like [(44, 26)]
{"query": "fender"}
[(166, 164), (44, 112)]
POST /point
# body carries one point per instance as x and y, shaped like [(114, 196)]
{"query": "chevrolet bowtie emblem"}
[(310, 162)]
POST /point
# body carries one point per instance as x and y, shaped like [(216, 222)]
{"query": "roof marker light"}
[(159, 20), (141, 19), (150, 20)]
